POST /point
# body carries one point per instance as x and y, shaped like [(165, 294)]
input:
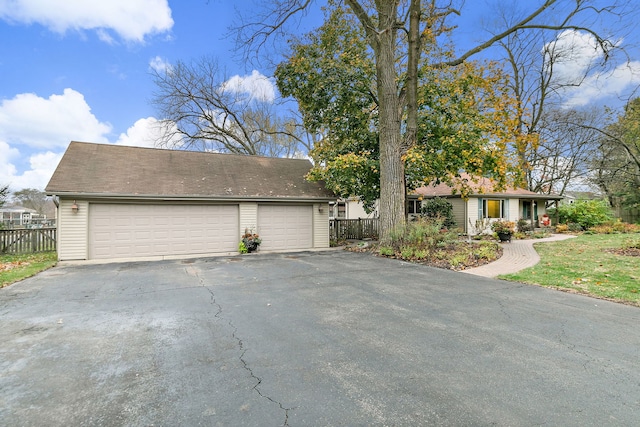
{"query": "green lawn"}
[(584, 265), (14, 268)]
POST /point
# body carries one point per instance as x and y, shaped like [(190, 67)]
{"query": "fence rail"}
[(20, 241), (345, 229)]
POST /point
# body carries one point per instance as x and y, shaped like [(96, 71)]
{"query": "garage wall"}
[(301, 226), (321, 225), (248, 217), (72, 230)]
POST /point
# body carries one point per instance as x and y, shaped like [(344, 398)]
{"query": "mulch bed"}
[(470, 262), (625, 251)]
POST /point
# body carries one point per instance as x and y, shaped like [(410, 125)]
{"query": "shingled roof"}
[(481, 187), (103, 170)]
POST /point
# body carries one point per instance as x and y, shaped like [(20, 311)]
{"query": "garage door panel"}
[(120, 231), (285, 226)]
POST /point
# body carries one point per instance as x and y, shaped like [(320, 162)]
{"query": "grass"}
[(14, 268), (584, 265)]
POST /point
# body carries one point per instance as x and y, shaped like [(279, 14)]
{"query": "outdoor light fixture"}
[(320, 208), (74, 207)]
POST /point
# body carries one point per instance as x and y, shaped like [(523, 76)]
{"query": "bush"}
[(524, 225), (584, 213), (407, 252), (439, 208), (425, 234), (615, 227), (486, 250), (575, 227), (386, 251), (503, 226)]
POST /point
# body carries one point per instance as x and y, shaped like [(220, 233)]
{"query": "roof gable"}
[(113, 170)]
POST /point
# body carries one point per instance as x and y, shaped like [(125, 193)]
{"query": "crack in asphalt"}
[(192, 271)]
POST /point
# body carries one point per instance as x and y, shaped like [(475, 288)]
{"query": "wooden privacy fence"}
[(20, 241), (345, 229)]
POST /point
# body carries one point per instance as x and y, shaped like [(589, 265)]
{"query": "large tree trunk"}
[(392, 193)]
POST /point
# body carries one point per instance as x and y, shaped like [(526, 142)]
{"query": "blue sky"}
[(79, 70)]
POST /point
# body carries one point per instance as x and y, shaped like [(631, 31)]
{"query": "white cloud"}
[(30, 120), (573, 53), (160, 65), (39, 129), (42, 166), (143, 133), (577, 57), (130, 20), (257, 85), (600, 86)]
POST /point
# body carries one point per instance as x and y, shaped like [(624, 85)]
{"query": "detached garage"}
[(117, 202)]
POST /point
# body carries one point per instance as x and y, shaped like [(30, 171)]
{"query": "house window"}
[(526, 210), (414, 206), (492, 208), (338, 210)]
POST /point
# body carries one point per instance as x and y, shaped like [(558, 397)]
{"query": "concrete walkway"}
[(517, 255)]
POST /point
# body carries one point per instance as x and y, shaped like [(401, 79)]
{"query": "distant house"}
[(117, 202), (485, 204), (350, 208), (570, 197), (17, 216)]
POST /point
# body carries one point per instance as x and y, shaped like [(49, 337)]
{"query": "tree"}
[(563, 157), (617, 162), (202, 111), (534, 61), (397, 34), (4, 194), (465, 115), (32, 198)]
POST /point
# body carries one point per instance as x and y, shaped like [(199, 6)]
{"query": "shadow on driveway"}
[(309, 339)]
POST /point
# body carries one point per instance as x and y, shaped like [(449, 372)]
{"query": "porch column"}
[(533, 215)]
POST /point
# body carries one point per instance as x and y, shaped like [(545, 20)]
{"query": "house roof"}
[(102, 170), (481, 187), (17, 209)]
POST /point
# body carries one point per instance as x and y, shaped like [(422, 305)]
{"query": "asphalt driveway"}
[(309, 339)]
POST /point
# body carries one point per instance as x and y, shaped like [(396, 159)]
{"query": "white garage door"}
[(285, 227), (122, 231)]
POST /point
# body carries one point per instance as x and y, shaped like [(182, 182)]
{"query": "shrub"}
[(575, 227), (407, 252), (421, 234), (585, 213), (503, 226), (562, 228), (386, 251), (486, 250), (524, 225), (615, 227), (421, 254), (541, 234), (439, 208)]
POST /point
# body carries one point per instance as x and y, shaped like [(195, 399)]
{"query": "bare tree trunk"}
[(392, 192)]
